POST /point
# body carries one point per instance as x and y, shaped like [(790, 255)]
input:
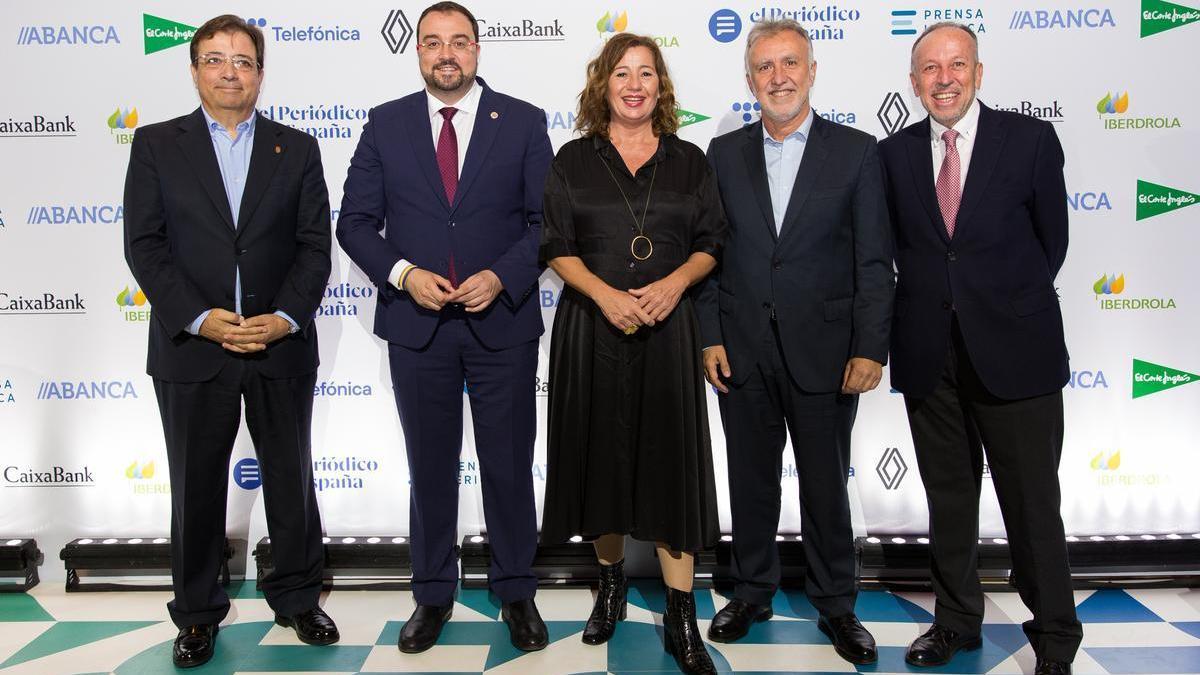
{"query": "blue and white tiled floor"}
[(50, 632)]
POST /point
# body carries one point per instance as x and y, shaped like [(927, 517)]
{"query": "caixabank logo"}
[(1110, 288), (325, 121), (74, 35), (1113, 106), (1158, 16), (132, 304), (1154, 199), (1059, 19), (521, 29), (38, 126), (41, 304), (1048, 110), (307, 33), (17, 476), (1152, 378)]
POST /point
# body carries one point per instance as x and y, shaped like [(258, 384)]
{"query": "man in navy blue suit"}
[(453, 177), (979, 210)]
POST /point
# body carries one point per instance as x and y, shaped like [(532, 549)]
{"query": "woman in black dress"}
[(632, 220)]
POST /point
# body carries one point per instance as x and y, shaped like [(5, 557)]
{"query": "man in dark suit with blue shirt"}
[(795, 323), (979, 210), (455, 175), (227, 231)]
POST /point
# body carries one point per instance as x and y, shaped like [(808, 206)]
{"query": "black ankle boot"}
[(682, 637), (610, 604)]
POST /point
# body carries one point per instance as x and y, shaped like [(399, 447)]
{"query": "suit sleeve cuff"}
[(194, 328), (295, 326), (397, 270)]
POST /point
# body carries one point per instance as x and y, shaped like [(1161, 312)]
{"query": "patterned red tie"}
[(949, 192), (447, 159)]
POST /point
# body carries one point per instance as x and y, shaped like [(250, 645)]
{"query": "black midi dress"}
[(628, 445)]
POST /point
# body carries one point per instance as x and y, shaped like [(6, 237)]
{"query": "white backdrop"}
[(81, 446)]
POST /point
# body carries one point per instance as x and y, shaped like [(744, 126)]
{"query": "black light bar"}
[(19, 561), (129, 563), (354, 562)]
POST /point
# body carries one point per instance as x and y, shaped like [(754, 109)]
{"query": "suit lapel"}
[(488, 116), (265, 156), (196, 144), (756, 165), (420, 134), (816, 149), (920, 159), (989, 137)]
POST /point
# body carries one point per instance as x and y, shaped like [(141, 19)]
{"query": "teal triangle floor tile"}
[(647, 594), (637, 647), (1007, 636), (481, 600), (1161, 660), (21, 607), (69, 635), (784, 633), (792, 602), (244, 590), (1190, 627), (390, 634), (1113, 606), (494, 633), (883, 606), (238, 651)]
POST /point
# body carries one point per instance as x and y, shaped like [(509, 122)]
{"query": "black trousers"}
[(200, 422), (428, 384), (952, 429), (757, 415)]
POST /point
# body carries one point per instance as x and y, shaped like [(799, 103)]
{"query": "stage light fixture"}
[(356, 562), (19, 561), (125, 564)]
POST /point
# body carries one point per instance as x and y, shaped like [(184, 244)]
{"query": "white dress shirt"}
[(967, 129), (464, 124)]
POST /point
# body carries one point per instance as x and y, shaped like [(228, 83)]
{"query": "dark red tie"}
[(949, 193), (447, 159)]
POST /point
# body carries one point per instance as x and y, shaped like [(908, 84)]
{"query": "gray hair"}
[(772, 27), (942, 24)]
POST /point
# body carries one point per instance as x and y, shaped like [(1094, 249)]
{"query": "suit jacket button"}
[(777, 265), (951, 257)]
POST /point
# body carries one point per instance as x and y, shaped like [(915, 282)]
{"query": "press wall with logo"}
[(81, 444)]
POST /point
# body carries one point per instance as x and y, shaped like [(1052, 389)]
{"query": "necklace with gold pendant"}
[(640, 247)]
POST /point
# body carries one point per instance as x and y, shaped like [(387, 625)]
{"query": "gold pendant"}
[(649, 247)]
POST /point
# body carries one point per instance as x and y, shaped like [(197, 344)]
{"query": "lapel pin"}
[(278, 149), (495, 115)]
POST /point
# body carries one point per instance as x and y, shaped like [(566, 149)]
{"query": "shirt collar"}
[(244, 127), (800, 134), (965, 127), (468, 104)]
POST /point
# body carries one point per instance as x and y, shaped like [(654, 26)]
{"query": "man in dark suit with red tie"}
[(979, 210), (455, 174), (227, 231)]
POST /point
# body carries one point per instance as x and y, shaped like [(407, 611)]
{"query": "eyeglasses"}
[(242, 64), (457, 44)]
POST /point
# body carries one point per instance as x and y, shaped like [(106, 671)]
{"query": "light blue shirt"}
[(233, 160), (783, 163)]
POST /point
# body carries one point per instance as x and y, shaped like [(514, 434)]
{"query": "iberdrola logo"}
[(123, 119), (1151, 378), (1113, 105), (127, 299), (140, 472), (1110, 285), (1109, 463), (1159, 16), (612, 22)]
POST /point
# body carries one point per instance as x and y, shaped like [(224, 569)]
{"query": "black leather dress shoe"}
[(422, 629), (734, 620), (1046, 667), (194, 645), (938, 645), (313, 627), (850, 638), (526, 629)]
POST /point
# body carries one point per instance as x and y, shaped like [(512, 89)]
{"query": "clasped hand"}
[(433, 291), (643, 306), (243, 335)]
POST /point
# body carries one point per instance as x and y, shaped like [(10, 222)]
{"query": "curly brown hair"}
[(594, 115)]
